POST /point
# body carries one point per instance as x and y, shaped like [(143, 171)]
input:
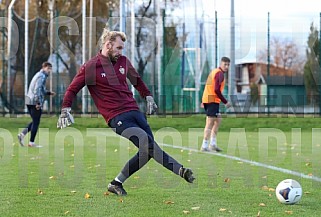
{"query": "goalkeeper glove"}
[(151, 105), (65, 119)]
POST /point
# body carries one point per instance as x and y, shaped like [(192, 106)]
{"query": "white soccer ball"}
[(288, 191)]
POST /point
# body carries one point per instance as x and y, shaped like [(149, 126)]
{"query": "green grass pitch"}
[(69, 174)]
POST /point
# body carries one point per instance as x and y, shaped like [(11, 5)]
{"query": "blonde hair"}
[(111, 36)]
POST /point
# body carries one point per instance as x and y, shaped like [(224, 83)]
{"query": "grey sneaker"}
[(215, 148), (117, 189), (204, 149), (187, 174), (34, 146), (20, 139)]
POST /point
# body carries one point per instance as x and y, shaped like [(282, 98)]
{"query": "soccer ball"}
[(288, 191)]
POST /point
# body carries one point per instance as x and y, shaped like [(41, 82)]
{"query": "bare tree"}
[(284, 54)]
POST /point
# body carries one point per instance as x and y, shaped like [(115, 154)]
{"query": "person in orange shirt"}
[(212, 96)]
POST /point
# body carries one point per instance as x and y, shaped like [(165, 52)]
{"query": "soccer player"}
[(212, 96), (34, 101), (105, 76)]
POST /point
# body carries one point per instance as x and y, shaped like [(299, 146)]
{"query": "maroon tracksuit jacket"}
[(106, 82)]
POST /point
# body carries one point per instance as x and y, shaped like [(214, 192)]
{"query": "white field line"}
[(279, 169)]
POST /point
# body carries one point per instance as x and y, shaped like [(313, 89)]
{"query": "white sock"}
[(213, 141), (31, 143), (205, 143), (116, 179)]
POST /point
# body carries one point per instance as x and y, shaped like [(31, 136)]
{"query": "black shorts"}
[(212, 109)]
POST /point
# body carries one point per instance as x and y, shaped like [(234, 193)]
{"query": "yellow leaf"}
[(39, 192), (258, 214), (136, 177), (106, 193), (73, 192), (271, 189), (227, 180), (115, 150), (308, 164), (87, 196), (307, 192), (169, 202), (262, 204), (222, 209), (67, 212), (196, 208), (121, 200), (185, 211), (52, 177), (289, 212), (266, 188)]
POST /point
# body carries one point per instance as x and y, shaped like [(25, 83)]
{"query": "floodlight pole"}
[(84, 89), (132, 35), (320, 66), (268, 67), (51, 4), (197, 62), (26, 48), (231, 77), (9, 48)]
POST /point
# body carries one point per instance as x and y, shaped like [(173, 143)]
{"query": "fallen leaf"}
[(186, 212), (264, 177), (258, 214), (227, 180), (73, 192), (52, 177), (87, 196), (289, 212), (106, 193), (72, 166), (270, 195), (307, 192), (240, 162), (310, 174), (121, 200), (266, 188), (39, 192), (115, 150), (67, 212), (222, 209), (97, 165), (196, 208), (308, 164), (169, 202), (271, 189), (136, 177), (262, 204)]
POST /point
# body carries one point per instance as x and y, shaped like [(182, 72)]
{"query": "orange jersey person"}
[(214, 87)]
